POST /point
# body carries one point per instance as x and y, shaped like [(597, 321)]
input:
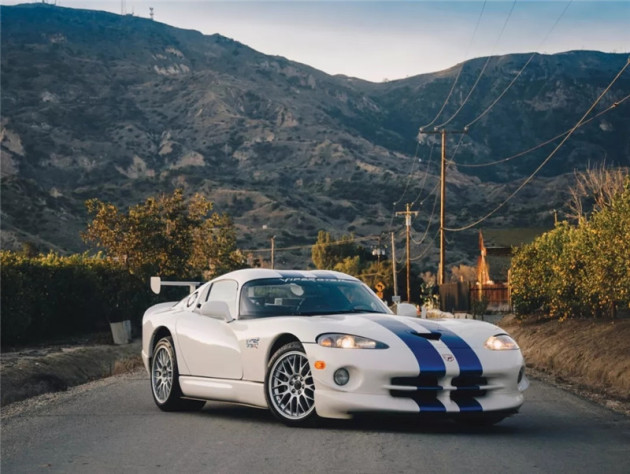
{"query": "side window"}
[(225, 290)]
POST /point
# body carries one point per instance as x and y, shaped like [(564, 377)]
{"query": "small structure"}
[(496, 248)]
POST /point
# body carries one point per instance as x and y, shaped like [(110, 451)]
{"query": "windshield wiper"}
[(315, 313), (359, 310)]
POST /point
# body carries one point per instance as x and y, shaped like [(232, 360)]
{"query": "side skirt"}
[(236, 391)]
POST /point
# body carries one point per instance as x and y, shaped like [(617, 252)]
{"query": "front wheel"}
[(165, 379), (289, 386)]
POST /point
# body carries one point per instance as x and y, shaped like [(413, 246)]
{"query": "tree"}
[(328, 253), (581, 270), (595, 188), (345, 256), (166, 235)]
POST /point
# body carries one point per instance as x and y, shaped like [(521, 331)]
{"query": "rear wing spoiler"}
[(157, 284)]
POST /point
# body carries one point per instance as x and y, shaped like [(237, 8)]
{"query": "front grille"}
[(468, 387), (426, 388)]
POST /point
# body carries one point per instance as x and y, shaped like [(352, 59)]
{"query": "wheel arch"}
[(158, 334), (281, 340)]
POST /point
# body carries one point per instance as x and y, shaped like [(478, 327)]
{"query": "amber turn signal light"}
[(320, 364)]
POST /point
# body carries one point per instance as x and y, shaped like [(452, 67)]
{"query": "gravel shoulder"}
[(30, 372)]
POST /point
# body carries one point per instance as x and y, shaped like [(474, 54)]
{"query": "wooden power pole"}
[(443, 132), (408, 215), (394, 266), (273, 251)]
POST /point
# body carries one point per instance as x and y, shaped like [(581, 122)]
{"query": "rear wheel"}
[(165, 379), (289, 386)]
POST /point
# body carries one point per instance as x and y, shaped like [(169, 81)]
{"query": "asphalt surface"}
[(112, 425)]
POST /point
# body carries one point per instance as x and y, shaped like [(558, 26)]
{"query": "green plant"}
[(478, 307), (578, 271), (46, 296)]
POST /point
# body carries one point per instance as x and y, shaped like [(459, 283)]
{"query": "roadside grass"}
[(590, 356)]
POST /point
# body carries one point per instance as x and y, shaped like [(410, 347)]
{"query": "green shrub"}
[(50, 296), (577, 271)]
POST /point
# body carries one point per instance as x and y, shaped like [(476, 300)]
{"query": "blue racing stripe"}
[(468, 405), (429, 360), (469, 363)]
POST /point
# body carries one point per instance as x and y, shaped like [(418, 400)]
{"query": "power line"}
[(540, 145), (430, 220), (483, 69), (502, 93), (443, 132), (428, 247), (308, 246), (426, 175), (408, 214), (551, 155), (483, 7), (553, 27), (410, 174)]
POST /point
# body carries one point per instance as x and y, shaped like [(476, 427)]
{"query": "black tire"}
[(165, 388), (289, 386)]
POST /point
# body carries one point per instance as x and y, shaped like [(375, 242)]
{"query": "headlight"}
[(501, 342), (347, 341)]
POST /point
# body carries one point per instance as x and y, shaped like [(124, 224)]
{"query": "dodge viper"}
[(308, 344)]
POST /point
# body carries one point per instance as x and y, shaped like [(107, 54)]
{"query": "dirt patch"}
[(32, 372), (588, 357)]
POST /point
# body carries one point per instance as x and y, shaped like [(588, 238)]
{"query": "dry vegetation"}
[(591, 356)]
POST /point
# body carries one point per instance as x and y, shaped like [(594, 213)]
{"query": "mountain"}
[(120, 108)]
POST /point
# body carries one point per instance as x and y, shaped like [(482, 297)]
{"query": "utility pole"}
[(408, 215), (394, 266), (443, 132), (273, 250)]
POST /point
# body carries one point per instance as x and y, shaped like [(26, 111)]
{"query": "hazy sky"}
[(375, 40)]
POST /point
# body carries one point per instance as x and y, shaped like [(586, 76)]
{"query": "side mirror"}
[(216, 310), (406, 309)]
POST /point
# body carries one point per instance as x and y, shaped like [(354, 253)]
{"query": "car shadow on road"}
[(366, 423)]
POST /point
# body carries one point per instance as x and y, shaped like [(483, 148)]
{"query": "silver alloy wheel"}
[(292, 390), (162, 374)]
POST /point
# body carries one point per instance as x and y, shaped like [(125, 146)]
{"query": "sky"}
[(381, 40)]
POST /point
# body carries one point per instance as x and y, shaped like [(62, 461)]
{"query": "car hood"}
[(389, 329)]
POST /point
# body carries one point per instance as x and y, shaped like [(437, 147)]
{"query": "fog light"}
[(341, 376)]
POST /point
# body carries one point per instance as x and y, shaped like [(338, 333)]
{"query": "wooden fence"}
[(459, 296)]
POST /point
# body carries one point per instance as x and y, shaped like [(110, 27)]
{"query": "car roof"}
[(249, 274)]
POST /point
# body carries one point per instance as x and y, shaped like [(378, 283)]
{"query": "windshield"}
[(306, 297)]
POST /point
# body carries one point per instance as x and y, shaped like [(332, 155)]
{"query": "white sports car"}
[(321, 343)]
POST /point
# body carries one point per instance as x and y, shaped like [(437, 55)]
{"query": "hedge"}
[(578, 270), (50, 296)]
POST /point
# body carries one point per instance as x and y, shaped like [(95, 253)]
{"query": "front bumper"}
[(388, 381)]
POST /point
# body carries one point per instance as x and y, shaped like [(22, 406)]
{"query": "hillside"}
[(118, 107)]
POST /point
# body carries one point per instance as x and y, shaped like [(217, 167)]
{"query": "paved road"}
[(113, 426)]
